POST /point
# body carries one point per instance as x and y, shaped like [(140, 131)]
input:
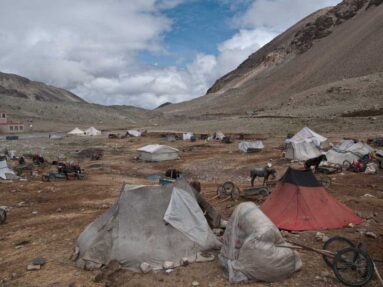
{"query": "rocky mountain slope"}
[(323, 61), (23, 88)]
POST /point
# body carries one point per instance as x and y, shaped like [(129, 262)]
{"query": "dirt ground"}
[(45, 218)]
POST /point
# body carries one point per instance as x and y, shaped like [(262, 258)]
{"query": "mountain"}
[(20, 87), (48, 108), (328, 64)]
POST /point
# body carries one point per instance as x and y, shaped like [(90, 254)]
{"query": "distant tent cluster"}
[(304, 145), (92, 131)]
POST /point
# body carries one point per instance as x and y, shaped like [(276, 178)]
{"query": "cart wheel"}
[(353, 267), (221, 192), (324, 180), (3, 216), (334, 244), (339, 168), (346, 164), (235, 194), (45, 178), (264, 191), (228, 187)]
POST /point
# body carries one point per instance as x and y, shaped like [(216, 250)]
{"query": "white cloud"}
[(91, 46)]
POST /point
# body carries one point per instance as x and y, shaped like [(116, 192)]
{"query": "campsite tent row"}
[(251, 248), (88, 132)]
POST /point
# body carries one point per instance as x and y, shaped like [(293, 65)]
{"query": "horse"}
[(264, 172), (315, 161)]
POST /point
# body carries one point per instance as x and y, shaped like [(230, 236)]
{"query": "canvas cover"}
[(76, 131), (156, 152), (250, 249), (92, 132), (134, 133), (219, 135), (249, 146), (300, 202), (348, 150), (5, 172), (308, 135), (150, 224), (302, 151)]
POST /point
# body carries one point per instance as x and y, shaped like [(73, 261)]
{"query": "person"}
[(21, 160)]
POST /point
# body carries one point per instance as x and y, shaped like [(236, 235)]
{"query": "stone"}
[(168, 265), (319, 236), (325, 238), (351, 225), (371, 234), (195, 283), (32, 267), (185, 261), (35, 212), (145, 267), (204, 257), (39, 261)]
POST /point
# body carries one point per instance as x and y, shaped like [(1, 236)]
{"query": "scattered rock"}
[(351, 225), (35, 212), (204, 257), (58, 209), (368, 195), (145, 267), (168, 265), (185, 261), (32, 267), (39, 261), (22, 242), (195, 283), (319, 236), (371, 235)]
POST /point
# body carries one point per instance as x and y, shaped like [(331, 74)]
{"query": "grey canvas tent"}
[(5, 172), (147, 224), (251, 146), (348, 150), (156, 152), (304, 145), (251, 249)]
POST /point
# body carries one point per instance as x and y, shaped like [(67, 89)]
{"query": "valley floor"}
[(51, 215)]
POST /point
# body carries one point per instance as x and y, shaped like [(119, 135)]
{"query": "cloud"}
[(91, 46)]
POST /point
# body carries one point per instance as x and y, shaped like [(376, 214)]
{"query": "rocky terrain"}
[(326, 65), (23, 88)]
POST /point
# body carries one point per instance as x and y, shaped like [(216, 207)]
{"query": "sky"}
[(139, 52)]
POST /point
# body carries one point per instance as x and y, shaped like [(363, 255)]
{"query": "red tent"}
[(300, 202)]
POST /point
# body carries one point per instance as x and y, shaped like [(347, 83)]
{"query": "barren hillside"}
[(20, 87), (324, 60)]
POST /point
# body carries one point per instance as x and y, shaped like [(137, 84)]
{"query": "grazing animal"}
[(264, 172), (315, 161)]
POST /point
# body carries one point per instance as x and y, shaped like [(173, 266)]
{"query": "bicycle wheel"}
[(324, 180), (353, 267), (334, 244), (346, 164), (338, 168), (228, 187)]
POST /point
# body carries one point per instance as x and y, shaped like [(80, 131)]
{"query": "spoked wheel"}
[(324, 180), (334, 244), (346, 164), (264, 191), (45, 178), (353, 267), (228, 187), (3, 215), (339, 168)]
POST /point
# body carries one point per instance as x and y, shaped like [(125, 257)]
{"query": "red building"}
[(9, 127)]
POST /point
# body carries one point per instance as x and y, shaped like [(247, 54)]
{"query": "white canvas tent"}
[(92, 132), (76, 132), (251, 146), (304, 145), (251, 249), (147, 224), (348, 150), (5, 172), (156, 152), (219, 135), (134, 133), (187, 136)]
